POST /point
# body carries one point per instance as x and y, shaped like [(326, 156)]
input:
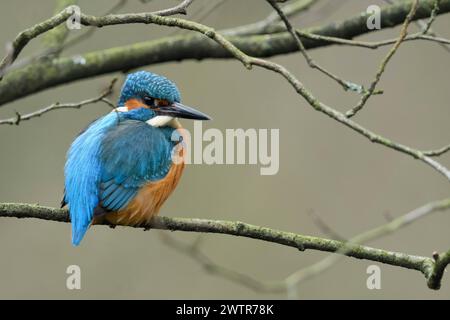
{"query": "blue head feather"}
[(140, 114), (144, 83)]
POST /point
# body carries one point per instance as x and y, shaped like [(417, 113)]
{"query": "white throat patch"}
[(120, 109), (160, 121)]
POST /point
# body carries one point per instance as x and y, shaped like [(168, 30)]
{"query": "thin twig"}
[(426, 265), (403, 221), (27, 35), (437, 272), (272, 21), (45, 74), (194, 252), (58, 106), (433, 16), (438, 152), (432, 269), (427, 26), (54, 51), (290, 283), (249, 61), (403, 33), (56, 37), (178, 9), (369, 44), (324, 227), (345, 84)]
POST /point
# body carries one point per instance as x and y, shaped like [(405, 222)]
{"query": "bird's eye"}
[(162, 103), (149, 101)]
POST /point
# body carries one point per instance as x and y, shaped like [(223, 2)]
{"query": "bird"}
[(124, 165)]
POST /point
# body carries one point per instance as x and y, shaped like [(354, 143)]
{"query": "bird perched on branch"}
[(126, 164)]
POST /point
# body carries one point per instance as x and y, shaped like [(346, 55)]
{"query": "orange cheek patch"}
[(134, 104)]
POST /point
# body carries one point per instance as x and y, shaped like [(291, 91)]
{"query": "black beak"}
[(179, 110)]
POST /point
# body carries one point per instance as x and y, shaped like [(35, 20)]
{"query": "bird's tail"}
[(80, 224), (78, 233)]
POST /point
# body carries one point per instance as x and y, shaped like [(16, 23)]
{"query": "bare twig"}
[(438, 152), (345, 84), (27, 35), (437, 272), (427, 26), (272, 22), (290, 283), (56, 37), (249, 61), (179, 9), (55, 50), (370, 235), (324, 227), (430, 268), (433, 16), (371, 90), (91, 31), (45, 74), (369, 44), (58, 106), (199, 16), (193, 251)]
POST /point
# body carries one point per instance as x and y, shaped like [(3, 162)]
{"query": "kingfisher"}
[(125, 165)]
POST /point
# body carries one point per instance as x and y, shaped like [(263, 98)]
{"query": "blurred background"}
[(324, 167)]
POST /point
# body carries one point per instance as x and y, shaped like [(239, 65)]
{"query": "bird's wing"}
[(132, 155), (82, 175)]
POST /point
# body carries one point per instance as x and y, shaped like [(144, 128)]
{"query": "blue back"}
[(109, 162), (132, 154)]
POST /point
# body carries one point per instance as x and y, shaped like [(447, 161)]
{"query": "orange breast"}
[(146, 204)]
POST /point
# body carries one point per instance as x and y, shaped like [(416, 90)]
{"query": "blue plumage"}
[(143, 83), (118, 154), (82, 175), (132, 154), (108, 163)]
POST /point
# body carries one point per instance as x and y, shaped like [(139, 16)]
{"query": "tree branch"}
[(56, 37), (179, 9), (193, 251), (240, 48), (424, 26), (272, 21), (435, 277), (438, 152), (24, 37), (428, 266), (398, 223), (290, 283), (346, 85), (58, 106), (382, 68), (249, 61), (46, 74), (370, 44)]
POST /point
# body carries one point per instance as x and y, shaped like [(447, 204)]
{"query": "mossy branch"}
[(413, 10), (247, 50), (54, 38), (431, 268), (46, 74)]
